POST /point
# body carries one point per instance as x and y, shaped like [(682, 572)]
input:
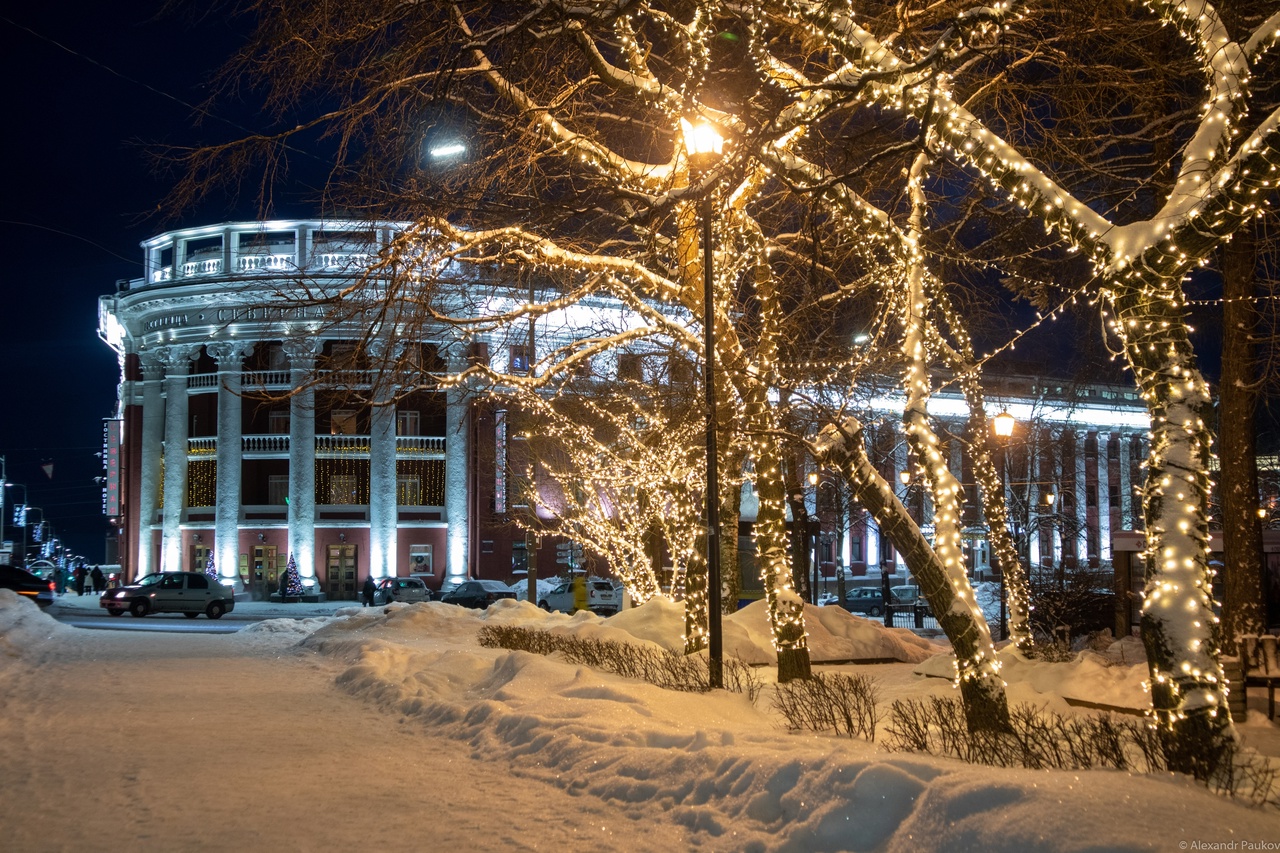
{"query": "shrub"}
[(666, 669)]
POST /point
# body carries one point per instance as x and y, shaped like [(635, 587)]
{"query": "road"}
[(84, 612), (112, 740)]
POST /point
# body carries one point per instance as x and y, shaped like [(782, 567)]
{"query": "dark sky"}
[(76, 194)]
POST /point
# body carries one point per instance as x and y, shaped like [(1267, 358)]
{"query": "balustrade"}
[(265, 443)]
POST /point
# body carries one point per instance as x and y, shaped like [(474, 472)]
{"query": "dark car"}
[(478, 594), (27, 585), (188, 593), (864, 599)]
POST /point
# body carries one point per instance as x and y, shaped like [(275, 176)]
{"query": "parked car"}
[(27, 585), (188, 593), (602, 598), (478, 594), (864, 599), (908, 595), (407, 590)]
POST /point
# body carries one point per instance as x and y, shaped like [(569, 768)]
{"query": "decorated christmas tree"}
[(208, 567), (292, 581)]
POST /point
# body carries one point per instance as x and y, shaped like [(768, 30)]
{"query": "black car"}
[(478, 594), (864, 599), (27, 585)]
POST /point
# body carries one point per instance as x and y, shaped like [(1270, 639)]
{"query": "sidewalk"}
[(69, 602)]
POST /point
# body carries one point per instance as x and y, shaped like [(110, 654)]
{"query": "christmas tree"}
[(208, 567), (292, 585)]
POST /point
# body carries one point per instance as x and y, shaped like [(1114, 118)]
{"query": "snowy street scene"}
[(649, 425), (391, 729)]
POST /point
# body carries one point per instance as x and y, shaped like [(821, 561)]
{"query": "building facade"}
[(244, 436)]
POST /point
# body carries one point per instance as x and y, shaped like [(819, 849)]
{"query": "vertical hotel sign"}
[(111, 462)]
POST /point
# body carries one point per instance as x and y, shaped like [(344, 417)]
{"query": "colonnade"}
[(164, 447), (1068, 488)]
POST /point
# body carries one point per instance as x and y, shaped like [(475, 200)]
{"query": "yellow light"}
[(1004, 424), (702, 140)]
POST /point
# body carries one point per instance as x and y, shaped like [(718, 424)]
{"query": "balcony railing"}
[(269, 263), (274, 443), (204, 266), (412, 446), (202, 380), (419, 445), (267, 379), (341, 445), (202, 446)]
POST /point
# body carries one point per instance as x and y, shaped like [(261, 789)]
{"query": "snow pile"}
[(23, 625), (537, 747)]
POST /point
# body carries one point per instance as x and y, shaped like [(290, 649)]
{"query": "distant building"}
[(235, 438)]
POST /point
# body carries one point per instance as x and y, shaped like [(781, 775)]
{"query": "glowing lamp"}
[(1004, 424), (703, 142)]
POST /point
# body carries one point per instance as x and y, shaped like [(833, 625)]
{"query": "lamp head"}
[(1004, 424), (702, 141)]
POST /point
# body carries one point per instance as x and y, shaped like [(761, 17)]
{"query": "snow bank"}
[(23, 626)]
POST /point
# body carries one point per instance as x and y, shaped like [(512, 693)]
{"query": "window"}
[(197, 582), (681, 370), (420, 560), (342, 422), (276, 359), (520, 358), (409, 491), (171, 582), (278, 422), (342, 489), (408, 422), (629, 366), (278, 489)]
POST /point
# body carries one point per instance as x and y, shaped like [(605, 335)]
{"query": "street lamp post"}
[(704, 145), (23, 526), (1004, 429)]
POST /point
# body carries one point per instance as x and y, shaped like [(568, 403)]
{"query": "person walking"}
[(99, 580), (80, 576), (368, 590)]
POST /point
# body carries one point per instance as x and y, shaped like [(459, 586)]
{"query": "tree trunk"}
[(1179, 628), (1243, 605), (978, 671)]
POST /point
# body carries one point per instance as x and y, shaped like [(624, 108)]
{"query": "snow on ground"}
[(390, 729)]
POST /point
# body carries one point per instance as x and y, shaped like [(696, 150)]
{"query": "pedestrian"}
[(80, 576), (60, 578), (369, 590), (99, 580)]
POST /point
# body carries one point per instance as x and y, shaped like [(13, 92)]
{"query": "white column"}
[(456, 501), (177, 361), (1082, 511), (871, 525), (1104, 496), (1034, 503), (382, 491), (903, 492), (226, 518), (151, 450), (302, 455), (1126, 482)]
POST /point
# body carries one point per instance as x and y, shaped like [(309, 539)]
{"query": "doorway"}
[(264, 570), (340, 577)]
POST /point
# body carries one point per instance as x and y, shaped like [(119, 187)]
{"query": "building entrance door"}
[(264, 571), (199, 557), (340, 579)]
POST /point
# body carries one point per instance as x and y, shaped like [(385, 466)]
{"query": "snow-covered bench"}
[(1260, 662)]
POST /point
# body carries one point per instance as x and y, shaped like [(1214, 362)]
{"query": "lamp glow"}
[(1004, 424)]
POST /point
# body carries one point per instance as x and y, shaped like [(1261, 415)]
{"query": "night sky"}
[(89, 88), (76, 198)]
